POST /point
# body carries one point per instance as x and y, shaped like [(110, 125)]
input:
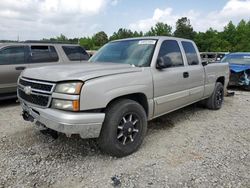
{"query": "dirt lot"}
[(193, 147)]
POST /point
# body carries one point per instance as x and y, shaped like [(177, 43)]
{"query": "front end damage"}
[(245, 79), (240, 75), (240, 79)]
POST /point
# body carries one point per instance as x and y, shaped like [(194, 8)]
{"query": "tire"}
[(214, 102), (124, 128), (247, 88)]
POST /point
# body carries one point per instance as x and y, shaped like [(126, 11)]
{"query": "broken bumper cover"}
[(87, 125), (240, 75)]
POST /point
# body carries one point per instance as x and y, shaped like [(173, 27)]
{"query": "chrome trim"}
[(65, 96), (37, 92), (40, 82), (35, 105), (34, 93)]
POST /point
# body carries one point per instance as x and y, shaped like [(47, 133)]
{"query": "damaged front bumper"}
[(240, 78), (87, 125), (245, 78)]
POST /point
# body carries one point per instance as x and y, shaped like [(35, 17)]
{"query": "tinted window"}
[(75, 53), (12, 55), (190, 52), (170, 50), (43, 54)]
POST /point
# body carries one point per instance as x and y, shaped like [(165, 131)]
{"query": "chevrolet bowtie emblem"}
[(27, 90)]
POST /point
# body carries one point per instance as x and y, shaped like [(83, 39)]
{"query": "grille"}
[(38, 93), (35, 85), (34, 99)]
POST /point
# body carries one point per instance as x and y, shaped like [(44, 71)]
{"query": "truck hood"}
[(77, 71)]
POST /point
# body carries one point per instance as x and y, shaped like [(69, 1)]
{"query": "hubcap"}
[(128, 129), (219, 96)]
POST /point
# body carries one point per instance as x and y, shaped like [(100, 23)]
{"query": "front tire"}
[(214, 102), (124, 128)]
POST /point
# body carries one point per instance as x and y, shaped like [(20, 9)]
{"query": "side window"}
[(12, 55), (43, 54), (75, 53), (190, 52), (171, 50)]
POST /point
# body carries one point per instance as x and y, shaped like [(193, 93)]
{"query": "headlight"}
[(69, 88), (66, 104)]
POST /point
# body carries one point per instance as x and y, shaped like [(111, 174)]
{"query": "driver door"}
[(170, 84)]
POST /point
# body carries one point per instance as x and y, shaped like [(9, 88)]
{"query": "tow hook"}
[(27, 117)]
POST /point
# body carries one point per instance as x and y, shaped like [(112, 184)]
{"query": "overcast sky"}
[(37, 19)]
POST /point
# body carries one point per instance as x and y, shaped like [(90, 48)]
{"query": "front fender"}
[(98, 92)]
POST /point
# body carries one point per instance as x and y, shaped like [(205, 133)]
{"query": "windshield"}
[(243, 59), (135, 52)]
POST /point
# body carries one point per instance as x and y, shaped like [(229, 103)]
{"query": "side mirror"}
[(163, 62), (204, 63)]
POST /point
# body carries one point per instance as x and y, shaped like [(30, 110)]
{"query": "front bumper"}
[(87, 125)]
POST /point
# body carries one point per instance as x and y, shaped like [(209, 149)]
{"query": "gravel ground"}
[(192, 147)]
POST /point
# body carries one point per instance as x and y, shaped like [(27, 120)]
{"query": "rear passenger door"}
[(171, 85), (13, 60), (195, 70), (42, 55)]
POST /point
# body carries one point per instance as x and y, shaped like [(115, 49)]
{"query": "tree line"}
[(233, 37)]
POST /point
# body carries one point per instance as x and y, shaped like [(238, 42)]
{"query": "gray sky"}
[(37, 19)]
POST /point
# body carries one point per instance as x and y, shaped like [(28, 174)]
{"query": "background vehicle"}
[(239, 64), (212, 57), (15, 57), (127, 83)]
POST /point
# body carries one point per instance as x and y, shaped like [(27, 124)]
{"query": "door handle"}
[(185, 74), (20, 68)]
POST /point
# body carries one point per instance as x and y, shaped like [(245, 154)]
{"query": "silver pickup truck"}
[(125, 84)]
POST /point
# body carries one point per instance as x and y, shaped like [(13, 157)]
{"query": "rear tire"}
[(124, 128), (247, 88), (214, 102)]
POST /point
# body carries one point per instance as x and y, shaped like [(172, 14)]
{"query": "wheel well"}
[(138, 97), (221, 80)]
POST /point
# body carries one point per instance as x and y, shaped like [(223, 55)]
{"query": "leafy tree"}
[(232, 38), (87, 43), (121, 34), (100, 38), (184, 29), (138, 34), (62, 38), (228, 35), (74, 41), (242, 36), (160, 29)]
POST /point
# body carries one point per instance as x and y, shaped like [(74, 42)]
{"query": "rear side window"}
[(190, 52), (43, 54), (75, 53), (171, 50), (12, 55)]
